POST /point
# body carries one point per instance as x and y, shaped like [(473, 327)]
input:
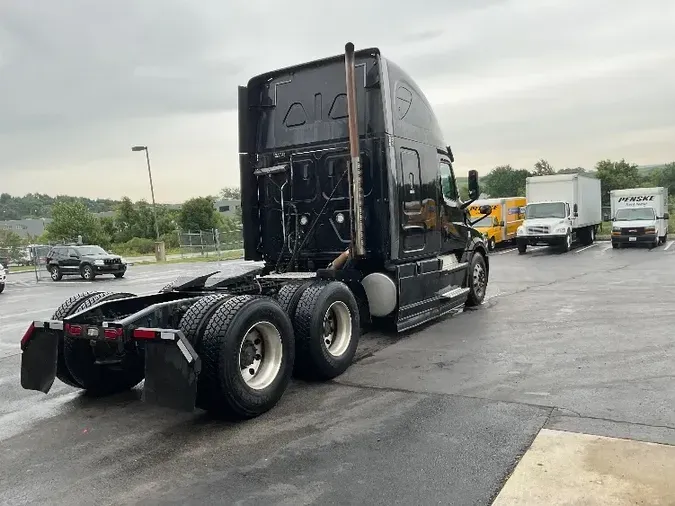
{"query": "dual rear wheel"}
[(251, 346)]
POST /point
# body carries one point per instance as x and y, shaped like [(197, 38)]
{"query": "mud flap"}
[(171, 371), (38, 360)]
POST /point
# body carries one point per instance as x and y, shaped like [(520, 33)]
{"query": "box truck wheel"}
[(68, 307), (247, 352), (522, 248), (615, 245), (491, 244), (327, 330), (567, 245), (103, 379), (193, 323), (477, 280)]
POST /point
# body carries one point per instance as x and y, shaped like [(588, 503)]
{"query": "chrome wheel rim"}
[(478, 280), (337, 328), (260, 355), (569, 241)]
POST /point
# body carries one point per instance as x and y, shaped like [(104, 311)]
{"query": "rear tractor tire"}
[(327, 330), (193, 323), (69, 306), (247, 351), (126, 372)]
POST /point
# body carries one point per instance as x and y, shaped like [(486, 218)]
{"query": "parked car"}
[(3, 278), (87, 261)]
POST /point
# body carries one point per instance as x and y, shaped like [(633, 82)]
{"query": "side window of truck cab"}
[(448, 186)]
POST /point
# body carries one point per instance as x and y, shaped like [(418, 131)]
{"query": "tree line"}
[(505, 181), (131, 229)]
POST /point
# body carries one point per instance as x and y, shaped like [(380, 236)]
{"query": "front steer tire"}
[(477, 280), (327, 330), (222, 389), (103, 379)]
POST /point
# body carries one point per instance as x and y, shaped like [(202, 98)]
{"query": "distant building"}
[(27, 227), (227, 207)]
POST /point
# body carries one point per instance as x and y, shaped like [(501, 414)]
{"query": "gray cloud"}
[(511, 80)]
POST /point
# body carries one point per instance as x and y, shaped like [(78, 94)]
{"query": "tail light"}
[(113, 333), (144, 334), (73, 330)]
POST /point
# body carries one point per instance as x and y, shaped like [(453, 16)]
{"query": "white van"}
[(639, 215)]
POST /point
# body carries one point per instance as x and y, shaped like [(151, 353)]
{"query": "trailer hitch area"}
[(172, 368), (40, 348)]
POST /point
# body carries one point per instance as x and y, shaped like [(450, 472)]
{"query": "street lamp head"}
[(139, 148)]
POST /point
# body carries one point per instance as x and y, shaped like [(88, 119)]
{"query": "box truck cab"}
[(639, 215), (561, 209), (502, 222)]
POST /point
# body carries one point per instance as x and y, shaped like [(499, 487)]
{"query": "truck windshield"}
[(545, 210), (485, 221), (642, 213)]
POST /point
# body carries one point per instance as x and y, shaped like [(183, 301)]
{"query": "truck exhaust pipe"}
[(355, 174)]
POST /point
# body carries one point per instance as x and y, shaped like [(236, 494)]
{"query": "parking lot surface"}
[(578, 342)]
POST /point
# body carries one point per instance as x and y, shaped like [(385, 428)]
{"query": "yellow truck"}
[(501, 224)]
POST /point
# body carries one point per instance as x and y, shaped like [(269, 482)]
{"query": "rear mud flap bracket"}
[(171, 371), (38, 359)]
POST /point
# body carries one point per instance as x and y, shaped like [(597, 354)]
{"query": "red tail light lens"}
[(113, 333), (144, 334), (73, 330)]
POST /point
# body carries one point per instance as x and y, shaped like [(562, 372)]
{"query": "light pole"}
[(152, 189)]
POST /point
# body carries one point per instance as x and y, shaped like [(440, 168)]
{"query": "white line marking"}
[(586, 247), (606, 248), (504, 252), (670, 243), (14, 315)]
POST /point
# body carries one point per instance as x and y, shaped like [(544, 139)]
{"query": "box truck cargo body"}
[(561, 209), (639, 215), (503, 221)]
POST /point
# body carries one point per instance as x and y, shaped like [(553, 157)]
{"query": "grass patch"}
[(23, 268)]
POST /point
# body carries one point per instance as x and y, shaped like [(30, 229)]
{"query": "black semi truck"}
[(351, 216)]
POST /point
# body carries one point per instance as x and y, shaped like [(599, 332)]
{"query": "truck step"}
[(454, 294)]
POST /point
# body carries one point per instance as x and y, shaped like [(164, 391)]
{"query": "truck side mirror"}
[(474, 191), (486, 209), (576, 211), (666, 216)]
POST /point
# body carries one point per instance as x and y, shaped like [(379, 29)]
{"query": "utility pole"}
[(152, 188)]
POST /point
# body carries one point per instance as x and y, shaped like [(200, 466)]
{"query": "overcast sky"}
[(572, 81)]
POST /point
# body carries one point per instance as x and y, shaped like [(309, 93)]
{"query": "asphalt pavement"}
[(578, 342)]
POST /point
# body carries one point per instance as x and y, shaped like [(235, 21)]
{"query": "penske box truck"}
[(502, 222), (561, 209), (639, 215)]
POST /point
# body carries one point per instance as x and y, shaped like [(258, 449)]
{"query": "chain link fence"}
[(206, 243)]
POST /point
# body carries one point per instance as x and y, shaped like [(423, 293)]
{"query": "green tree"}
[(505, 181), (230, 192), (198, 214), (72, 219), (543, 168), (572, 170), (664, 176), (617, 176)]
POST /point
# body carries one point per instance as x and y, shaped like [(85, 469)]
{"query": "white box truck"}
[(639, 215), (561, 209)]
